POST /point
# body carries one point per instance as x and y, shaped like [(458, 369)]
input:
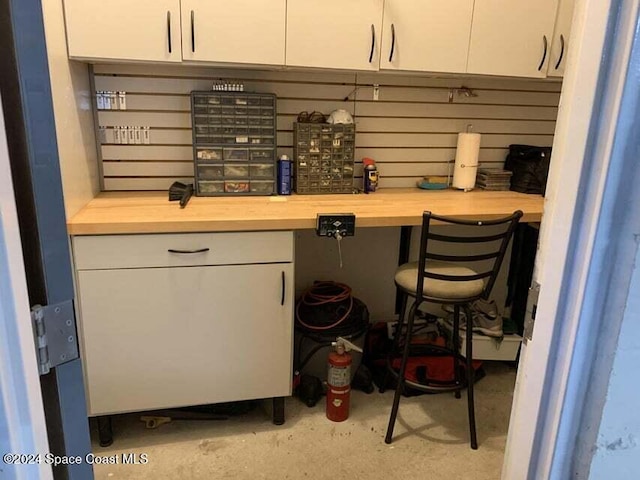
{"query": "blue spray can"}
[(284, 175)]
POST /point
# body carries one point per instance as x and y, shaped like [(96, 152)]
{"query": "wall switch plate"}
[(329, 224), (376, 92)]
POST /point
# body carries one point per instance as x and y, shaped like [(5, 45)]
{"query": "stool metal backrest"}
[(485, 236)]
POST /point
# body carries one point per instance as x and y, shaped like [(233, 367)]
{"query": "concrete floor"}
[(431, 440)]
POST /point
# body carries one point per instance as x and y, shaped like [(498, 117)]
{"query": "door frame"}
[(22, 423), (547, 406), (35, 173)]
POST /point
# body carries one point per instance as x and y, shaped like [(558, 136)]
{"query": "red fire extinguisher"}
[(339, 380)]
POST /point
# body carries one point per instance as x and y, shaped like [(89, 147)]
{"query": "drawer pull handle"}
[(199, 250), (283, 289)]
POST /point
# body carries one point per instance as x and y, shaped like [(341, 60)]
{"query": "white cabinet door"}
[(511, 38), (334, 33), (238, 31), (428, 36), (144, 30), (560, 43), (167, 337)]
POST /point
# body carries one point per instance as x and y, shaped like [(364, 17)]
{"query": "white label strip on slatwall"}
[(411, 130)]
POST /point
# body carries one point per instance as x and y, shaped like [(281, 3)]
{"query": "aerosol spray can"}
[(370, 175), (284, 175)]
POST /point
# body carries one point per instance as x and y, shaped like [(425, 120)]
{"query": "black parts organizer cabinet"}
[(234, 136), (323, 157)]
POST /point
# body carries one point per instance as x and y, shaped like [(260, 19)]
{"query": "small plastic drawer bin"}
[(236, 186), (323, 157), (209, 187), (234, 135), (208, 154), (210, 172), (262, 155), (235, 170), (261, 170), (262, 186), (236, 155)]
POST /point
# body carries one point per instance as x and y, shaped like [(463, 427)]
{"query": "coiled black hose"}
[(324, 311), (322, 303)]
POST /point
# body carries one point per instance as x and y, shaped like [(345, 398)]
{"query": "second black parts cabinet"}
[(323, 157)]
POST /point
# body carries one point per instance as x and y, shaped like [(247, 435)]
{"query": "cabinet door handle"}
[(193, 32), (283, 289), (544, 55), (373, 42), (393, 41), (561, 51), (169, 29), (199, 250)]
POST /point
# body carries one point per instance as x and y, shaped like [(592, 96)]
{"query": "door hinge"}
[(532, 307), (54, 333)]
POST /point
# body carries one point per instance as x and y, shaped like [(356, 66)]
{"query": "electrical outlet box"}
[(329, 224)]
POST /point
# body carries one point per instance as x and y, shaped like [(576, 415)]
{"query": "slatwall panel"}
[(411, 130)]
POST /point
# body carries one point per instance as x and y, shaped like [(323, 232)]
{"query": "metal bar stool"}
[(445, 279)]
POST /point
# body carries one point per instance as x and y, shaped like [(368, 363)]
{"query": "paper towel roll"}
[(466, 165)]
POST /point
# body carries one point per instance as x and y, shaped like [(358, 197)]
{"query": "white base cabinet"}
[(172, 336)]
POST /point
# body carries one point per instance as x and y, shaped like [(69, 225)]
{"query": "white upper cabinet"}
[(511, 37), (560, 43), (144, 30), (426, 36), (334, 33), (237, 31)]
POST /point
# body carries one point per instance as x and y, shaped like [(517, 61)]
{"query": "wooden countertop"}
[(151, 212)]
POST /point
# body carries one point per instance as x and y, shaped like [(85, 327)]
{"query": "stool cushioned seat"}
[(407, 279)]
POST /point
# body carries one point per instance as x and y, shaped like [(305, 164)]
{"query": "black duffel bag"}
[(530, 167)]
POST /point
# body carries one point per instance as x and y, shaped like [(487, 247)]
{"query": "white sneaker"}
[(487, 326), (486, 321), (486, 308), (486, 318)]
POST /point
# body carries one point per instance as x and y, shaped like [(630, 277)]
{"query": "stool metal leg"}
[(396, 337), (470, 382), (403, 367), (456, 347)]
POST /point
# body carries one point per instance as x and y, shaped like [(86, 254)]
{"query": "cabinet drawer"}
[(184, 249)]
